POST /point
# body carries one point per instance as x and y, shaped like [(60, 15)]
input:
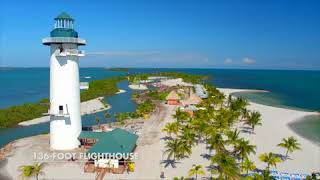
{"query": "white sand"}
[(147, 166), (151, 147), (87, 107), (121, 91), (175, 82), (275, 127), (138, 87)]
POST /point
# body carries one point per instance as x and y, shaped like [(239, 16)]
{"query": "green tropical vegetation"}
[(101, 88), (291, 144), (254, 119), (270, 159), (143, 109), (98, 121), (191, 78), (247, 165), (118, 69), (215, 124), (28, 171), (11, 116), (158, 95), (226, 166), (196, 170)]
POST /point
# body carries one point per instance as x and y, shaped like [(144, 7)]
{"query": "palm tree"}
[(216, 142), (188, 135), (98, 121), (226, 165), (220, 121), (233, 137), (181, 115), (254, 119), (179, 178), (247, 165), (172, 149), (196, 170), (171, 128), (177, 149), (237, 104), (244, 148), (245, 113), (31, 170), (200, 126), (107, 115), (184, 149), (26, 171), (290, 144), (270, 158), (37, 170)]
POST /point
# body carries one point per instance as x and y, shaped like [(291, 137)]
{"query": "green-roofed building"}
[(115, 141)]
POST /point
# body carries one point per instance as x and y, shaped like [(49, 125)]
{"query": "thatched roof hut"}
[(173, 95), (173, 98)]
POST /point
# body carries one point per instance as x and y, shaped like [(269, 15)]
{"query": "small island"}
[(118, 69), (182, 124)]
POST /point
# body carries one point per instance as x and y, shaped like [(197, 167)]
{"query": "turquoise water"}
[(291, 89), (267, 98), (21, 85), (298, 89), (308, 127), (120, 103)]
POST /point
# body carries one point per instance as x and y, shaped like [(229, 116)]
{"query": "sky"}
[(248, 34)]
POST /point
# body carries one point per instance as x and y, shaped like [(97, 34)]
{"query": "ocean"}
[(288, 89)]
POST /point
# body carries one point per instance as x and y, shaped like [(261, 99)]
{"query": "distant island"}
[(118, 69)]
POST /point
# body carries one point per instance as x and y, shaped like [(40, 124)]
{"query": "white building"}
[(65, 118)]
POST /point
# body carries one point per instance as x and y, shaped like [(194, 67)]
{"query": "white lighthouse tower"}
[(65, 117)]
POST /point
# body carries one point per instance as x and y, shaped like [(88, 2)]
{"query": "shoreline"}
[(275, 126), (121, 91), (138, 87), (87, 107), (299, 118), (151, 146)]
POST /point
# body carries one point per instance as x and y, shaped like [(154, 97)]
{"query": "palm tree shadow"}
[(168, 162), (259, 171), (282, 157), (206, 156), (247, 130), (166, 138), (211, 168)]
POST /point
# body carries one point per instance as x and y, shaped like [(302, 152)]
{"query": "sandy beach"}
[(151, 147), (87, 107), (138, 87), (121, 91), (275, 127)]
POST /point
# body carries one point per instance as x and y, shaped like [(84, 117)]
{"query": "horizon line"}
[(217, 68)]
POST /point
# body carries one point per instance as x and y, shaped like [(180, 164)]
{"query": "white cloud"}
[(228, 61), (247, 60)]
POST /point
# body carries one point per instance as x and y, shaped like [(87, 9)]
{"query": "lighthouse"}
[(65, 117)]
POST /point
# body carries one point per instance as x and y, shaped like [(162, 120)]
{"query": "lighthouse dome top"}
[(64, 16), (63, 31), (64, 26)]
